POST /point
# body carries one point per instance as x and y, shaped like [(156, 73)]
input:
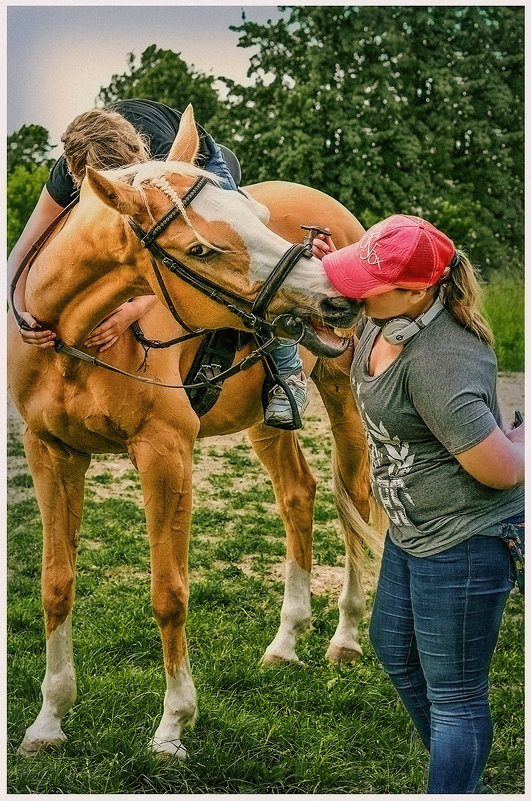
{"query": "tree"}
[(28, 166), (29, 146), (24, 185), (410, 109), (162, 75)]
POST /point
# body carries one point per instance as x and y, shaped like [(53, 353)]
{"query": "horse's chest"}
[(79, 417)]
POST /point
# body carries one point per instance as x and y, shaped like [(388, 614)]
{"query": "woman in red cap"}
[(449, 478)]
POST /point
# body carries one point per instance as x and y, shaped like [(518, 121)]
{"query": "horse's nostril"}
[(339, 305)]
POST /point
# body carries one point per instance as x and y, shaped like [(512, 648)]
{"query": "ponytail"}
[(462, 298)]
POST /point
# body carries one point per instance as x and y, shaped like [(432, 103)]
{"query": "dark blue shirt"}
[(159, 124)]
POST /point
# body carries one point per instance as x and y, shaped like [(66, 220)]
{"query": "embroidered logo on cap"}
[(368, 247)]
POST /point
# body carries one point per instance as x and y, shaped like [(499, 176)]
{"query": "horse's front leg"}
[(58, 476), (163, 457), (294, 486)]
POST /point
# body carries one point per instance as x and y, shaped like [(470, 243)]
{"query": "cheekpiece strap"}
[(173, 213)]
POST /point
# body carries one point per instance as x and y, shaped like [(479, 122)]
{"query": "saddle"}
[(215, 355)]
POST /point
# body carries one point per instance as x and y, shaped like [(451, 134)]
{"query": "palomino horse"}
[(90, 265)]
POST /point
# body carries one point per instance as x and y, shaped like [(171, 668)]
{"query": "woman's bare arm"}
[(44, 212)]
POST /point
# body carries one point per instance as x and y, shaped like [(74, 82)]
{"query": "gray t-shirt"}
[(437, 399)]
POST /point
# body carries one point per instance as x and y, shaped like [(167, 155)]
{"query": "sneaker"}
[(278, 412)]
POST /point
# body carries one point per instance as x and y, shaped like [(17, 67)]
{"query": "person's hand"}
[(106, 334), (515, 434), (44, 339), (322, 244)]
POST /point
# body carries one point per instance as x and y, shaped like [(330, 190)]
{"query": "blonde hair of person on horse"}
[(104, 139), (448, 476)]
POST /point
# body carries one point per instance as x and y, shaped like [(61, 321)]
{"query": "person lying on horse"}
[(133, 131)]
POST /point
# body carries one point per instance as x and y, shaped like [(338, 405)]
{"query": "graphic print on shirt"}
[(399, 462)]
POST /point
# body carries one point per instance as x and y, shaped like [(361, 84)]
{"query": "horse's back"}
[(292, 205)]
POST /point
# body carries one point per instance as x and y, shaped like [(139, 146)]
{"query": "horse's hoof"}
[(168, 749), (270, 658), (30, 747), (341, 653)]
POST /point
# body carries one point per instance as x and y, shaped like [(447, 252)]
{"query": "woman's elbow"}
[(506, 481)]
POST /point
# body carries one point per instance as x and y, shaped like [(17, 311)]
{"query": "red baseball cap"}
[(398, 252)]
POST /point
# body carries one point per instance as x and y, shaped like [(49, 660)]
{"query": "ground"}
[(209, 459)]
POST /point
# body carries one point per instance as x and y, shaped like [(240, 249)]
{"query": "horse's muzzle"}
[(317, 332), (339, 312)]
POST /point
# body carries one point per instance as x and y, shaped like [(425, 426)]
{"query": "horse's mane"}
[(145, 171)]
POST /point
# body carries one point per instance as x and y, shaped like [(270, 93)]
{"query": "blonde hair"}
[(463, 298), (103, 139)]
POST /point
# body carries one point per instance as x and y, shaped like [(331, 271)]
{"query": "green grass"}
[(309, 728), (504, 304)]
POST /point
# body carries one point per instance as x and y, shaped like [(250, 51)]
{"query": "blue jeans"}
[(285, 356), (434, 628), (287, 359), (217, 164)]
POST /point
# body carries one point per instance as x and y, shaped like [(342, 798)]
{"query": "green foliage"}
[(504, 303), (162, 75), (29, 146), (24, 185), (411, 109), (392, 109), (28, 166)]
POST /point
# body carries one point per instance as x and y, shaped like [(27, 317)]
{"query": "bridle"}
[(251, 314)]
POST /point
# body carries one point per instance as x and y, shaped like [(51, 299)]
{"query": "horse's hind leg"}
[(351, 490), (58, 476), (294, 487)]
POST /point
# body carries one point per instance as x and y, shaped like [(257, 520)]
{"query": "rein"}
[(251, 314)]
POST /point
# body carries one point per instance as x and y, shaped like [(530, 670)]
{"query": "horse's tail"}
[(356, 531)]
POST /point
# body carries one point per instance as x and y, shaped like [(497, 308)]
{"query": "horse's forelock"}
[(157, 173)]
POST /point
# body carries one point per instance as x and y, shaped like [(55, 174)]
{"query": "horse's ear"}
[(186, 145), (119, 196)]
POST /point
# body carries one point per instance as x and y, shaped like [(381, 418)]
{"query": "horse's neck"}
[(77, 280)]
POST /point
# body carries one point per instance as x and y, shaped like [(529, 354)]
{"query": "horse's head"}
[(220, 238)]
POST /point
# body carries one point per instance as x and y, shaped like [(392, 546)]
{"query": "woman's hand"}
[(44, 339), (322, 244), (107, 333), (515, 434)]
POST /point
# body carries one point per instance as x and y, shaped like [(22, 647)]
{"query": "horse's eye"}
[(200, 251)]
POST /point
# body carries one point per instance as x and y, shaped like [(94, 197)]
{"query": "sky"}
[(58, 56)]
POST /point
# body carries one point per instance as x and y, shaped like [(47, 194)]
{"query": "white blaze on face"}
[(264, 247)]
